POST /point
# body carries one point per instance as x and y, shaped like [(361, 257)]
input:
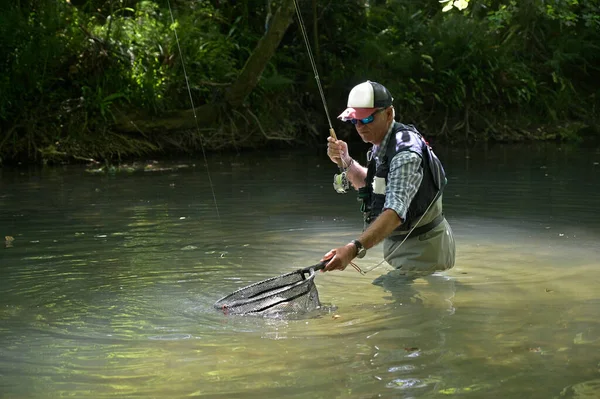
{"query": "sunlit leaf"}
[(461, 4)]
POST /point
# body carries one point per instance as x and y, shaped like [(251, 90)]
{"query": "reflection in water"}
[(109, 281)]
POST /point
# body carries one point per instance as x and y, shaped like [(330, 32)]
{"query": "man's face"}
[(375, 131)]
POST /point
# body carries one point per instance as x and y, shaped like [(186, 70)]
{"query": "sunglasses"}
[(368, 119)]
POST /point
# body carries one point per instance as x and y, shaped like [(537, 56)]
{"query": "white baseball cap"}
[(364, 99)]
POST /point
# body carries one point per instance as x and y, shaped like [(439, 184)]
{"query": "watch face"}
[(360, 250), (361, 253)]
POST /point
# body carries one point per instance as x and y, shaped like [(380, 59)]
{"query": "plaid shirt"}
[(404, 177)]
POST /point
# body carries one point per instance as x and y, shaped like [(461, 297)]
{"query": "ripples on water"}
[(108, 286)]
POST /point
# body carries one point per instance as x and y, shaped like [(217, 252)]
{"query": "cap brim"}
[(356, 113)]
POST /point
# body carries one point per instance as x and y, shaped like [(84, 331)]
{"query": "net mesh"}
[(293, 292)]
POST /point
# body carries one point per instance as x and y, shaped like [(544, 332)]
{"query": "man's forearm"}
[(380, 228)]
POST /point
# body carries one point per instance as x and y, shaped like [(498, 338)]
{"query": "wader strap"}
[(420, 230)]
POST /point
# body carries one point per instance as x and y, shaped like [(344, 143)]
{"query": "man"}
[(400, 188)]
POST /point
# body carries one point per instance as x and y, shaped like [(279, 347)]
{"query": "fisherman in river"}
[(400, 189)]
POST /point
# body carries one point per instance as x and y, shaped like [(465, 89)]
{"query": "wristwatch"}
[(360, 250)]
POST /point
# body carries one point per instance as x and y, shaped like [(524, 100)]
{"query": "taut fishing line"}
[(187, 82)]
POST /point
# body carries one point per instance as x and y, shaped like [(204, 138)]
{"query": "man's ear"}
[(390, 113)]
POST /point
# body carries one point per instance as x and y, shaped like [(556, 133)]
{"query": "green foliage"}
[(477, 73), (209, 54), (35, 43), (497, 69), (70, 70)]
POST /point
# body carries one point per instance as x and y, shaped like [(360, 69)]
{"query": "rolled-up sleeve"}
[(404, 179)]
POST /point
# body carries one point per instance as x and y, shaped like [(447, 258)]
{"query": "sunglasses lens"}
[(364, 121)]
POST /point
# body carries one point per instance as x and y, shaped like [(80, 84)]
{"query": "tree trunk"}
[(234, 96), (261, 55)]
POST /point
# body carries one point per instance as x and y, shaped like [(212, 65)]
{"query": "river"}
[(108, 280)]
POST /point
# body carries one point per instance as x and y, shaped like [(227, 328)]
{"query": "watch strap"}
[(359, 247)]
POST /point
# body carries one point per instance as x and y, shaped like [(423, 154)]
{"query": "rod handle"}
[(340, 163)]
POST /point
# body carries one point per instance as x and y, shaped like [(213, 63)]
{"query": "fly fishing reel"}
[(341, 183)]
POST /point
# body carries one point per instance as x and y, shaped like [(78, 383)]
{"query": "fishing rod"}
[(341, 164)]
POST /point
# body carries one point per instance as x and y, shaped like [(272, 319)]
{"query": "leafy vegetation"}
[(460, 70)]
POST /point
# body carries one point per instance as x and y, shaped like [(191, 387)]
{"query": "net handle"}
[(317, 267)]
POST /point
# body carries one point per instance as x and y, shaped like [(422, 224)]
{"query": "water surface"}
[(107, 288)]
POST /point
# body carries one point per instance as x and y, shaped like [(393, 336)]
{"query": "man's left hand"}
[(339, 257)]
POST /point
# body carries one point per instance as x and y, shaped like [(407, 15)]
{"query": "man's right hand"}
[(337, 150)]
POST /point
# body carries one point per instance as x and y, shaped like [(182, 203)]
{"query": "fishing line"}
[(187, 82)]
